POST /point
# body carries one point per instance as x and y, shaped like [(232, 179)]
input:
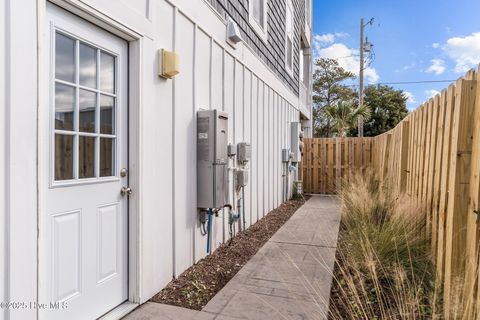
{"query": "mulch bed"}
[(198, 284)]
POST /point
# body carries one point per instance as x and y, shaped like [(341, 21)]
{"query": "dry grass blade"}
[(383, 267)]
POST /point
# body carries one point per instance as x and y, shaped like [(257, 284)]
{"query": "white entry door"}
[(84, 229)]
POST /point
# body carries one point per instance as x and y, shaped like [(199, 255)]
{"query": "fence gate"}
[(329, 161)]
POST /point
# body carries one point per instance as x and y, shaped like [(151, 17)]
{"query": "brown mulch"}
[(198, 284)]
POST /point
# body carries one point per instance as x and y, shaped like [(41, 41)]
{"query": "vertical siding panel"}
[(279, 149), (3, 159), (261, 148), (216, 91), (202, 70), (274, 149), (228, 74), (270, 151), (238, 113), (157, 154), (238, 120), (184, 154), (217, 77), (266, 92), (202, 78), (284, 143), (254, 168), (247, 125)]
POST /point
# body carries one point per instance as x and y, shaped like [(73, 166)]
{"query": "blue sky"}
[(413, 40)]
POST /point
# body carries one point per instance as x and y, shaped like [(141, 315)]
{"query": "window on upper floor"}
[(304, 66), (258, 17), (308, 12), (289, 31)]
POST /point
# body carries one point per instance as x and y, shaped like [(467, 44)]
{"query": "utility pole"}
[(360, 91), (364, 47)]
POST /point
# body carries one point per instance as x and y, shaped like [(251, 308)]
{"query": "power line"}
[(405, 82), (344, 57)]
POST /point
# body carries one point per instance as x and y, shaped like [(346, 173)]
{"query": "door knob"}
[(126, 191)]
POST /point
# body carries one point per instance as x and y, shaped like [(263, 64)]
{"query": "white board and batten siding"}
[(3, 182), (212, 75), (18, 153)]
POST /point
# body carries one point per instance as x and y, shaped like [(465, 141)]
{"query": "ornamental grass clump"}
[(383, 267)]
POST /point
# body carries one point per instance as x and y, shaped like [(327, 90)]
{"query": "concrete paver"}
[(289, 277), (152, 310)]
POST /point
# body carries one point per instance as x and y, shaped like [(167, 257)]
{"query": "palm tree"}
[(345, 116)]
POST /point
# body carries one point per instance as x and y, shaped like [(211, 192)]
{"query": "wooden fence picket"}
[(433, 157)]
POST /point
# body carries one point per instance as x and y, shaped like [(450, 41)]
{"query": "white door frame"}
[(135, 42)]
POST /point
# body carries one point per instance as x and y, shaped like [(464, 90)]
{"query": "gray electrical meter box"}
[(244, 153), (286, 155), (241, 178), (212, 158)]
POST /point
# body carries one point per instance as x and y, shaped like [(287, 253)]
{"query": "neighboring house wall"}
[(261, 103)]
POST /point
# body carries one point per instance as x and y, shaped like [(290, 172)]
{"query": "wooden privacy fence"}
[(432, 156), (327, 162)]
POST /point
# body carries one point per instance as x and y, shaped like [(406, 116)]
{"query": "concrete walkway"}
[(289, 277)]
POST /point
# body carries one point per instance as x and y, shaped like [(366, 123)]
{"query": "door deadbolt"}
[(125, 191), (123, 172)]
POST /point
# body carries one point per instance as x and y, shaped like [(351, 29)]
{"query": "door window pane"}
[(88, 103), (107, 72), (86, 157), (88, 66), (63, 157), (107, 115), (85, 106), (64, 58), (64, 106), (107, 157)]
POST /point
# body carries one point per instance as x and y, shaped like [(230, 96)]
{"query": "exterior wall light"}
[(168, 66)]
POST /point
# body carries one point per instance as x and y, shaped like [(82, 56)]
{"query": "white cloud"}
[(407, 67), (341, 35), (431, 93), (435, 45), (437, 67), (324, 38), (409, 96), (347, 58), (465, 51)]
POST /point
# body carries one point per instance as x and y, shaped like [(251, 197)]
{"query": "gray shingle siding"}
[(273, 51)]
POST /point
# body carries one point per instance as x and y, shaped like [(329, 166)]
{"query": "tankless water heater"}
[(212, 159)]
